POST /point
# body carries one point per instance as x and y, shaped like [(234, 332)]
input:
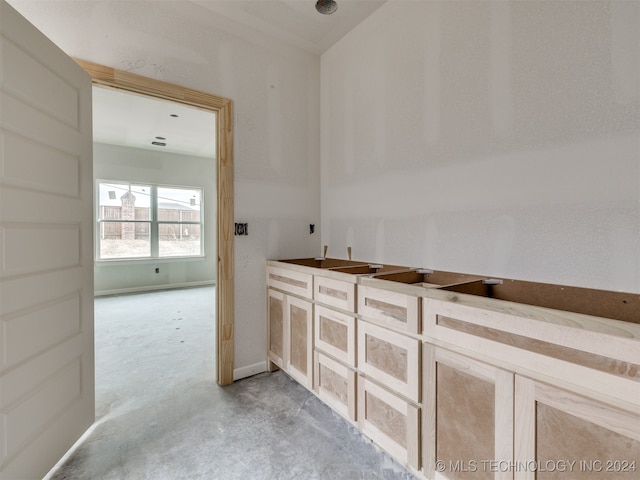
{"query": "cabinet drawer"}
[(391, 422), (335, 384), (335, 334), (390, 358), (336, 293), (392, 309), (290, 281)]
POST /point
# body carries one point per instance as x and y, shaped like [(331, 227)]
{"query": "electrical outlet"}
[(312, 228), (242, 229), (157, 269)]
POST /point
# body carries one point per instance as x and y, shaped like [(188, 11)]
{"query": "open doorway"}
[(223, 109), (154, 165)]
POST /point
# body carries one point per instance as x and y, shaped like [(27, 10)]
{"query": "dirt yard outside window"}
[(116, 248)]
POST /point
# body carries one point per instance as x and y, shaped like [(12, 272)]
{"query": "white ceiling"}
[(130, 120), (123, 118), (295, 21)]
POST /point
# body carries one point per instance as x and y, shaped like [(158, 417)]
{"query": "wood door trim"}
[(223, 107)]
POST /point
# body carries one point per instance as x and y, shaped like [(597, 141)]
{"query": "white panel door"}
[(46, 252)]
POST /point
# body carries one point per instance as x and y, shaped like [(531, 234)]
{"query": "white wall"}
[(275, 89), (112, 162), (499, 138)]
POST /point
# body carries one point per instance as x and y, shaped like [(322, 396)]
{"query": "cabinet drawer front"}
[(300, 340), (335, 384), (336, 293), (392, 309), (276, 310), (391, 422), (335, 334), (390, 358), (290, 281)]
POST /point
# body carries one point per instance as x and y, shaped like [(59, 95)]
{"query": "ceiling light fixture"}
[(326, 7)]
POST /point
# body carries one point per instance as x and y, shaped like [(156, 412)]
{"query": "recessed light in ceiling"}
[(159, 144)]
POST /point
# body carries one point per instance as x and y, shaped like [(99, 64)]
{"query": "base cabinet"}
[(290, 335), (490, 389), (468, 426), (560, 434)]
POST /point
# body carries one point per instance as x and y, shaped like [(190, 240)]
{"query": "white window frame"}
[(153, 222)]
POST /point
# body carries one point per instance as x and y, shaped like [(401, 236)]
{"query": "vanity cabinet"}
[(389, 365), (335, 344), (290, 335), (290, 323), (458, 376)]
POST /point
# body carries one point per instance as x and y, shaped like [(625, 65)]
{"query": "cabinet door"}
[(390, 358), (565, 435), (299, 328), (276, 327), (335, 334), (390, 421), (468, 424)]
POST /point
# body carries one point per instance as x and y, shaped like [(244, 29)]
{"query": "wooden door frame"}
[(223, 108)]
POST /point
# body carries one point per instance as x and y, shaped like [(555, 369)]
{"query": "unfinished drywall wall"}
[(498, 138), (117, 163), (275, 90)]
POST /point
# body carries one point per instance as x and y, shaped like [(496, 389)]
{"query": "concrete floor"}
[(161, 416)]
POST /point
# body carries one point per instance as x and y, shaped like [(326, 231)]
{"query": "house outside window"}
[(137, 221)]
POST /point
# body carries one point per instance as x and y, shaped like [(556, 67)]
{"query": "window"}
[(148, 221)]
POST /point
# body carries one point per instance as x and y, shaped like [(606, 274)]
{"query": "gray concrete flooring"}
[(160, 415)]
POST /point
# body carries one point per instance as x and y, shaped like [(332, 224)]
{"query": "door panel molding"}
[(223, 107), (47, 389)]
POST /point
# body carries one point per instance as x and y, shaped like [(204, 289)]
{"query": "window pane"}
[(124, 239), (179, 240), (179, 204), (122, 201)]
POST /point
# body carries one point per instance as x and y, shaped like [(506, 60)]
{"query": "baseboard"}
[(249, 370), (152, 288)]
